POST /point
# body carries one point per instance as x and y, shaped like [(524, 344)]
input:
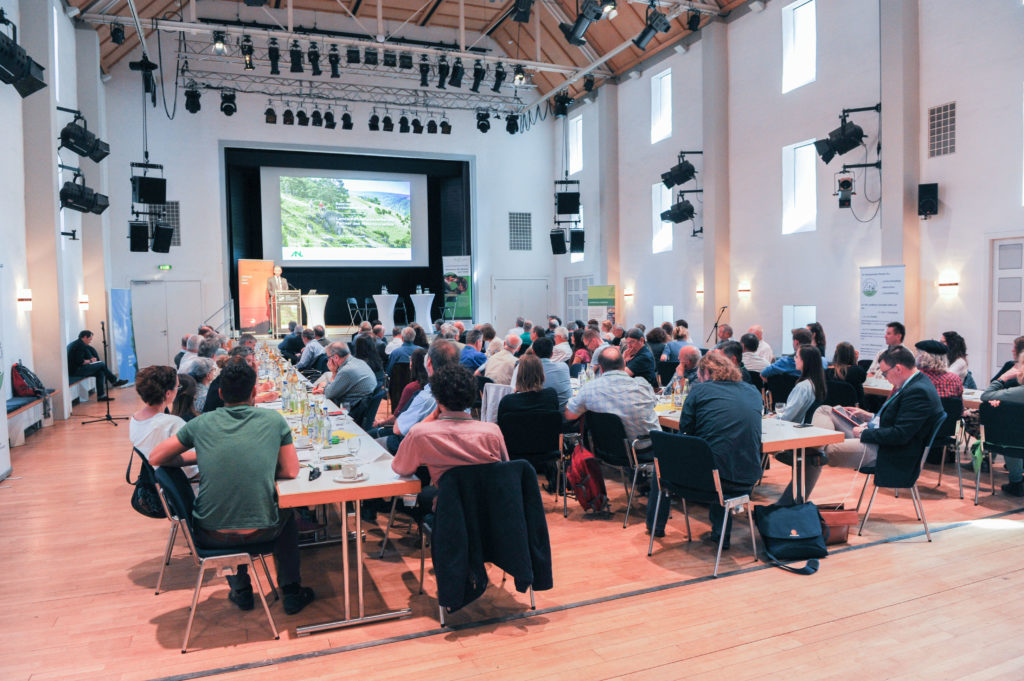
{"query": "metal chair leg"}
[(533, 604), (387, 530), (959, 473), (423, 556), (686, 514), (753, 538), (440, 612), (629, 499), (657, 509), (914, 492), (913, 499), (942, 466), (871, 501), (270, 580), (863, 489), (167, 556), (721, 542), (195, 604), (263, 599)]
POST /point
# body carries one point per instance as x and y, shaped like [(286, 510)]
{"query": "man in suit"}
[(291, 345), (83, 360), (274, 284)]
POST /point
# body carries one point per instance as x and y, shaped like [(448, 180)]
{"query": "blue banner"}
[(122, 334)]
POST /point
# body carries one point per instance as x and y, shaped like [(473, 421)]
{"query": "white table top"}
[(776, 435), (882, 387)]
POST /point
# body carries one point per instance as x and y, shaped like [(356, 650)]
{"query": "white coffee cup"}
[(349, 471), (302, 442)]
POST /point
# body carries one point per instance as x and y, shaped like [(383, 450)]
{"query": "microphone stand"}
[(112, 420), (714, 330)]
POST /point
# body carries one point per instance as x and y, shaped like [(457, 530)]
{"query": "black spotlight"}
[(457, 72), (117, 34), (390, 59), (220, 48), (656, 23), (589, 13), (608, 7), (405, 60), (334, 60), (16, 67), (352, 55), (346, 121), (295, 52), (446, 127), (512, 124), (560, 104), (518, 76), (370, 56), (302, 117), (431, 127), (679, 212), (403, 124), (588, 83), (478, 75), (499, 77), (313, 55), (246, 49), (77, 196), (329, 121), (680, 173), (288, 118), (443, 69), (192, 100), (374, 123), (274, 55), (417, 126), (483, 121), (270, 115), (693, 22), (387, 124), (521, 11), (846, 137), (317, 119), (79, 140), (424, 71), (227, 103)]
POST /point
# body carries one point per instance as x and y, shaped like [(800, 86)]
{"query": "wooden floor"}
[(79, 568)]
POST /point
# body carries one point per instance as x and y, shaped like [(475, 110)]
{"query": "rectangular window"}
[(799, 188), (56, 56), (662, 313), (794, 317), (661, 106), (661, 200), (799, 45), (575, 144)]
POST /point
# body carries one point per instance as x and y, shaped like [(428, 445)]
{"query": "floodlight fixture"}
[(478, 75), (424, 71), (334, 61), (387, 124), (374, 123), (445, 126), (431, 127), (246, 49), (521, 11), (220, 47), (417, 126), (403, 124), (270, 115), (288, 118), (574, 32), (228, 106), (680, 211), (483, 121), (352, 55), (499, 77), (295, 53), (16, 67), (346, 121), (681, 173), (458, 71), (390, 59), (518, 76), (76, 196), (302, 118), (843, 139), (693, 22), (588, 82), (313, 55), (329, 122), (192, 94), (656, 22), (77, 138), (316, 119), (560, 104), (117, 34), (443, 69), (512, 124), (370, 56), (405, 60), (274, 55)]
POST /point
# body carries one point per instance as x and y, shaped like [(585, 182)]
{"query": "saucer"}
[(359, 478)]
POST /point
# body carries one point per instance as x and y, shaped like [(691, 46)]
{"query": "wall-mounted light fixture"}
[(948, 283), (700, 289), (744, 287), (628, 292), (83, 302), (25, 300)]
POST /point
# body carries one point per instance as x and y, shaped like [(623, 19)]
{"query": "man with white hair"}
[(518, 328), (311, 350), (499, 367), (764, 351), (562, 351), (403, 352), (191, 352)]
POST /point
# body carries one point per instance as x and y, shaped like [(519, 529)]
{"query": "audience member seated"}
[(421, 339), (149, 426), (616, 392), (83, 361), (401, 354), (1008, 388), (751, 360), (726, 413), (264, 393), (518, 329), (657, 340), (532, 394), (181, 353), (763, 349), (556, 374), (311, 350), (639, 360), (724, 334), (351, 378), (417, 382), (1018, 347), (320, 335), (817, 337), (500, 365), (809, 388), (203, 370), (956, 353), (580, 351), (291, 345), (184, 405), (680, 339), (931, 360), (381, 344), (367, 350), (396, 342), (471, 357), (561, 351), (734, 351), (442, 353), (786, 364), (191, 352), (689, 356), (894, 334), (489, 333), (607, 332), (241, 451), (845, 368)]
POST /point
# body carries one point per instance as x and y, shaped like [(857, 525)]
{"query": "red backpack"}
[(586, 480)]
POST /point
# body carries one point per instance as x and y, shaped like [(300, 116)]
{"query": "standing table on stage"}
[(386, 308), (422, 303), (315, 304)]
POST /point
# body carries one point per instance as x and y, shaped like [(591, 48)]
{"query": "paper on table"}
[(344, 434), (667, 407)]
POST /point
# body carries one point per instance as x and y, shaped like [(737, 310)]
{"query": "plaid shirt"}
[(616, 392), (947, 384)]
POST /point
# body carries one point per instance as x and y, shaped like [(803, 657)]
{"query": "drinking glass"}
[(353, 445), (780, 407)]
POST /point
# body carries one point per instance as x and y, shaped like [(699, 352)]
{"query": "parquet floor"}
[(79, 568)]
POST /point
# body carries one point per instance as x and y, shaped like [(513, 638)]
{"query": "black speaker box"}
[(557, 241), (575, 240), (162, 238), (138, 237), (149, 190), (567, 203), (927, 199)]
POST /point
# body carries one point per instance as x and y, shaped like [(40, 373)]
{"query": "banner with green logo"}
[(458, 283), (881, 301), (601, 302)]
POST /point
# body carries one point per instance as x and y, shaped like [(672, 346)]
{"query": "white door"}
[(163, 311), (511, 298), (1007, 303)]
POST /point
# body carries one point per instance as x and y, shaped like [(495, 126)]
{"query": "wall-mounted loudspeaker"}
[(149, 190), (927, 199), (558, 241), (575, 240), (138, 237), (162, 238)]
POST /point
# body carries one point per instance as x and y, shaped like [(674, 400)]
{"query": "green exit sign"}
[(163, 267)]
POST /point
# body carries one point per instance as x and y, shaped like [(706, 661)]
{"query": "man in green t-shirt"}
[(241, 450)]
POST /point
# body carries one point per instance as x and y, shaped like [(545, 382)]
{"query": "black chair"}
[(399, 378), (318, 369), (666, 372), (536, 437), (1002, 432), (756, 381), (946, 437), (840, 393), (864, 364), (576, 369), (779, 386), (685, 468), (611, 446), (368, 305), (902, 479), (178, 498), (399, 307), (364, 411), (355, 313), (448, 310)]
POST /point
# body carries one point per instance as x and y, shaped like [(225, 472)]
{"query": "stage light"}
[(346, 121), (246, 48), (589, 13), (317, 119), (220, 48), (609, 9), (518, 76), (192, 104), (313, 55), (81, 198), (446, 127), (693, 22), (679, 212), (656, 23), (560, 104), (370, 56), (405, 60), (295, 53), (499, 77), (843, 139), (274, 55), (483, 121), (478, 75), (334, 60), (844, 190), (521, 11), (458, 70), (288, 118), (417, 127), (227, 102), (443, 69), (16, 67), (680, 173), (403, 124), (387, 124), (424, 71), (329, 121), (431, 127), (374, 123), (588, 83), (390, 59), (78, 139), (512, 124), (117, 34), (270, 116), (352, 55), (302, 118)]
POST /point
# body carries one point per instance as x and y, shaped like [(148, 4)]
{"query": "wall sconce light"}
[(744, 287), (25, 300), (628, 292), (948, 283), (700, 289), (83, 302)]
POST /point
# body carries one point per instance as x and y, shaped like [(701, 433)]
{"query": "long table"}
[(882, 388)]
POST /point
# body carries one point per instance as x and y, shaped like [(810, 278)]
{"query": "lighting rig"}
[(678, 175)]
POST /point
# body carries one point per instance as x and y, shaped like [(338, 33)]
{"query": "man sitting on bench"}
[(83, 362)]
